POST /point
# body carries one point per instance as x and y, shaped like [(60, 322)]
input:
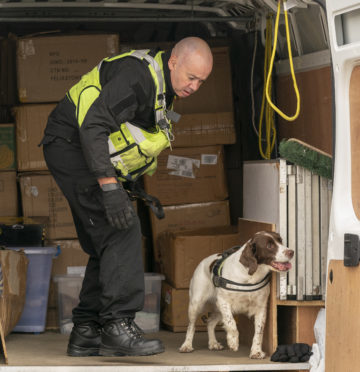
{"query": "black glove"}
[(293, 353), (118, 208)]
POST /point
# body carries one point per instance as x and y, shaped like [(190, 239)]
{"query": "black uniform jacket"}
[(128, 94)]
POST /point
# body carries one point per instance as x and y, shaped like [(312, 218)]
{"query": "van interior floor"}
[(47, 352)]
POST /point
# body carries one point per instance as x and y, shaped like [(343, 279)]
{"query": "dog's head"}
[(266, 248)]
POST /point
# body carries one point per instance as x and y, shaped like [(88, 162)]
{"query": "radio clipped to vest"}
[(165, 124)]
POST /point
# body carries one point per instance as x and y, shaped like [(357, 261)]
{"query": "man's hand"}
[(119, 210)]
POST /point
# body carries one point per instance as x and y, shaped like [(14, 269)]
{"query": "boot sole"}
[(77, 351), (104, 351)]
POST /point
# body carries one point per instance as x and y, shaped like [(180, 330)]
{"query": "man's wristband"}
[(110, 186)]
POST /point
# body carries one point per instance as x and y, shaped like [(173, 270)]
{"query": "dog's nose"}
[(289, 253)]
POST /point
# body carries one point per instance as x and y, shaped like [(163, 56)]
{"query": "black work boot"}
[(123, 337), (84, 340)]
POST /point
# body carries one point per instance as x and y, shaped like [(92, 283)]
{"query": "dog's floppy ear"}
[(248, 259)]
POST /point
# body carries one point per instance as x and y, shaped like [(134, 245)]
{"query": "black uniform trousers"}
[(113, 285)]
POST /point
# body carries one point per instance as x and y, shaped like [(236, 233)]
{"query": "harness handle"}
[(136, 191)]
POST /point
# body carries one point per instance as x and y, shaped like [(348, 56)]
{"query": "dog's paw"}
[(234, 346), (216, 346), (233, 342), (186, 348), (257, 354)]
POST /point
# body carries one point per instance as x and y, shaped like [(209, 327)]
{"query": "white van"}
[(325, 44)]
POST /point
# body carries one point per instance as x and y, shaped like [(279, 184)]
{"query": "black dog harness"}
[(221, 282)]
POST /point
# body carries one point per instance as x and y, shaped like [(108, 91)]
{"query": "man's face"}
[(188, 73)]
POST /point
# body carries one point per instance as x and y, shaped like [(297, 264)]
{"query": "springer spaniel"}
[(237, 281)]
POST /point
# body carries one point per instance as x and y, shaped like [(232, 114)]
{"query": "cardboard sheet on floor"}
[(12, 293), (3, 353)]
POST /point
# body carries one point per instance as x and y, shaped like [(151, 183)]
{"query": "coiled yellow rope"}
[(282, 114), (268, 106)]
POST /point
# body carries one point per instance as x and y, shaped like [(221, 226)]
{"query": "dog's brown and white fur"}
[(249, 264)]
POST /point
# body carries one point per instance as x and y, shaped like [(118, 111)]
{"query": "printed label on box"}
[(34, 191), (209, 159), (27, 48), (182, 166), (76, 270), (168, 297)]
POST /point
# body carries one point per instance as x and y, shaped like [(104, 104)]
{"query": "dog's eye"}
[(270, 246)]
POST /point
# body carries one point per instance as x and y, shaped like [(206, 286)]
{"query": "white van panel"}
[(345, 57)]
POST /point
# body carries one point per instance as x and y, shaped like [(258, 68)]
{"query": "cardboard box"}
[(12, 299), (71, 254), (181, 252), (204, 129), (188, 175), (174, 310), (189, 217), (8, 194), (30, 125), (7, 147), (47, 66), (41, 197), (52, 317)]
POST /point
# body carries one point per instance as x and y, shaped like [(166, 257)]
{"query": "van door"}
[(343, 283)]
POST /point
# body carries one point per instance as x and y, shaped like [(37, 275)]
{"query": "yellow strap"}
[(282, 114)]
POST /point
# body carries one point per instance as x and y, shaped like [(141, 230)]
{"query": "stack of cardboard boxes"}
[(190, 182), (47, 66), (8, 189)]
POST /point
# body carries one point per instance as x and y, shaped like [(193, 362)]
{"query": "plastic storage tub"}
[(68, 290), (149, 318), (69, 286), (33, 317)]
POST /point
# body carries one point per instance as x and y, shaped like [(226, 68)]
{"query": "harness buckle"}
[(216, 280)]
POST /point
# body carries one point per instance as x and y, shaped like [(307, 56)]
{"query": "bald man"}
[(107, 132), (190, 64)]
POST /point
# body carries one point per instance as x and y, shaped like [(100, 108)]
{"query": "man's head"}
[(190, 64)]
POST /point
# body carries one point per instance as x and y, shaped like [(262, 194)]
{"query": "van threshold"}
[(47, 352)]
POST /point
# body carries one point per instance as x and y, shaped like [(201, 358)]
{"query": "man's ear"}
[(248, 259), (172, 62)]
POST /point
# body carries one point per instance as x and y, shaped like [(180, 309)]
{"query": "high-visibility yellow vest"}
[(133, 151)]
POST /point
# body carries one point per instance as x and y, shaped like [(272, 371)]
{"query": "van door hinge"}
[(351, 250)]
